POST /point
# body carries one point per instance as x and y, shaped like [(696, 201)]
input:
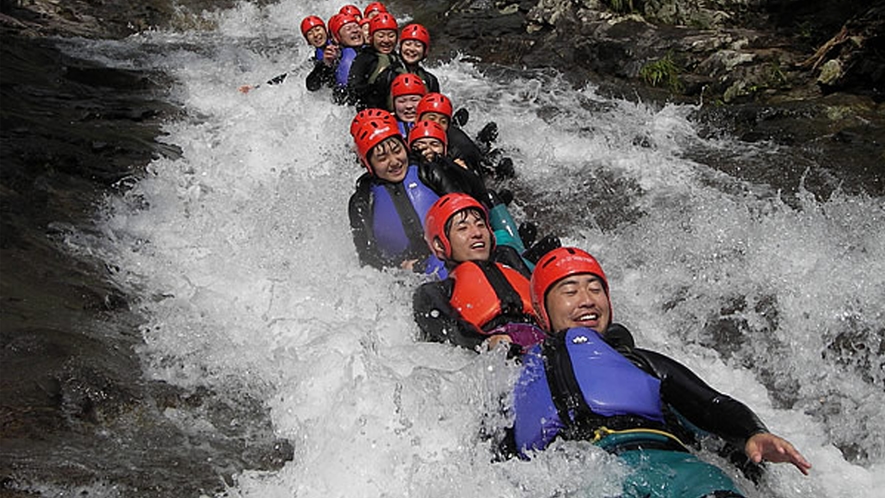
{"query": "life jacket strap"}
[(623, 440)]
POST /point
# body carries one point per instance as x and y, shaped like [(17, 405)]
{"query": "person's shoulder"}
[(617, 336)]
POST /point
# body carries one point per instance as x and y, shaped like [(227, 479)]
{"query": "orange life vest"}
[(486, 290)]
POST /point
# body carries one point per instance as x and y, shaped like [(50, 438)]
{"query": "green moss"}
[(662, 72)]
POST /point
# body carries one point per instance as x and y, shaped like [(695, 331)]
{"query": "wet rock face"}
[(768, 70)]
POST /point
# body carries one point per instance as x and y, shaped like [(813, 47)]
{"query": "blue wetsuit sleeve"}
[(702, 405), (438, 320)]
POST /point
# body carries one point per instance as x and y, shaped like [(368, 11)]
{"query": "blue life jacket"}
[(348, 54), (610, 384), (387, 225), (404, 128), (319, 53)]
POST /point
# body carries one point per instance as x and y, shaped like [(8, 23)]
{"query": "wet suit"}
[(460, 146), (440, 180), (390, 73), (580, 385), (322, 76), (365, 86), (435, 305)]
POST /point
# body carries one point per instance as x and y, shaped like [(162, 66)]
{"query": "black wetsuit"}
[(460, 146), (365, 86), (430, 80), (683, 394), (441, 178), (438, 319), (322, 76)]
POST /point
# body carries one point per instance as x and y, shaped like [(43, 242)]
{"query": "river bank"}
[(76, 409)]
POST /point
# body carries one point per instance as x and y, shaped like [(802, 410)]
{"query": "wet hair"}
[(382, 143), (464, 213)]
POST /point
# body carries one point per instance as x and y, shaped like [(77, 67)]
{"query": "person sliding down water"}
[(414, 42), (325, 57), (485, 300), (364, 87), (428, 141), (346, 31), (391, 199), (405, 93), (437, 107), (587, 381)]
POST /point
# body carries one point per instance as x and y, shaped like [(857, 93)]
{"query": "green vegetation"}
[(663, 72), (621, 6)]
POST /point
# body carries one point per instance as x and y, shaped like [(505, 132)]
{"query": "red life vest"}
[(486, 290)]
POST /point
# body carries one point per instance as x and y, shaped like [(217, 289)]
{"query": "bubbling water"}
[(241, 252)]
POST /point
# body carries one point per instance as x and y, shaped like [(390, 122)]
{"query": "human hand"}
[(408, 264), (494, 340), (771, 448), (245, 88), (330, 55)]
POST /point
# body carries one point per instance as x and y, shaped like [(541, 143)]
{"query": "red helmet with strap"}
[(438, 215), (556, 265), (407, 84), (428, 129), (382, 21), (416, 32), (434, 102), (351, 10), (367, 114), (371, 133), (309, 23), (374, 7), (338, 21)]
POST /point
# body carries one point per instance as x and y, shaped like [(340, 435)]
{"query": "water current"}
[(241, 260)]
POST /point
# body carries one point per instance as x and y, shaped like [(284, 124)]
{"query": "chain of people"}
[(424, 205)]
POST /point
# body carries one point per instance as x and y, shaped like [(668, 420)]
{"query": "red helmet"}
[(367, 114), (556, 265), (309, 23), (428, 129), (435, 102), (351, 10), (338, 21), (371, 133), (374, 7), (382, 21), (407, 84), (416, 32), (438, 215)]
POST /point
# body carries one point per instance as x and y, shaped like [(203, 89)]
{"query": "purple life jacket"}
[(610, 384), (348, 54), (390, 234)]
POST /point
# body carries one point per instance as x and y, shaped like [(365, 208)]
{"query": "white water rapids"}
[(249, 282)]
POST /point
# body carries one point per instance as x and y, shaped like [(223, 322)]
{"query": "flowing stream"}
[(240, 256)]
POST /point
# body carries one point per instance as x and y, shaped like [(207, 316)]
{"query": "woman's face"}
[(412, 51), (406, 107), (384, 40), (389, 160)]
